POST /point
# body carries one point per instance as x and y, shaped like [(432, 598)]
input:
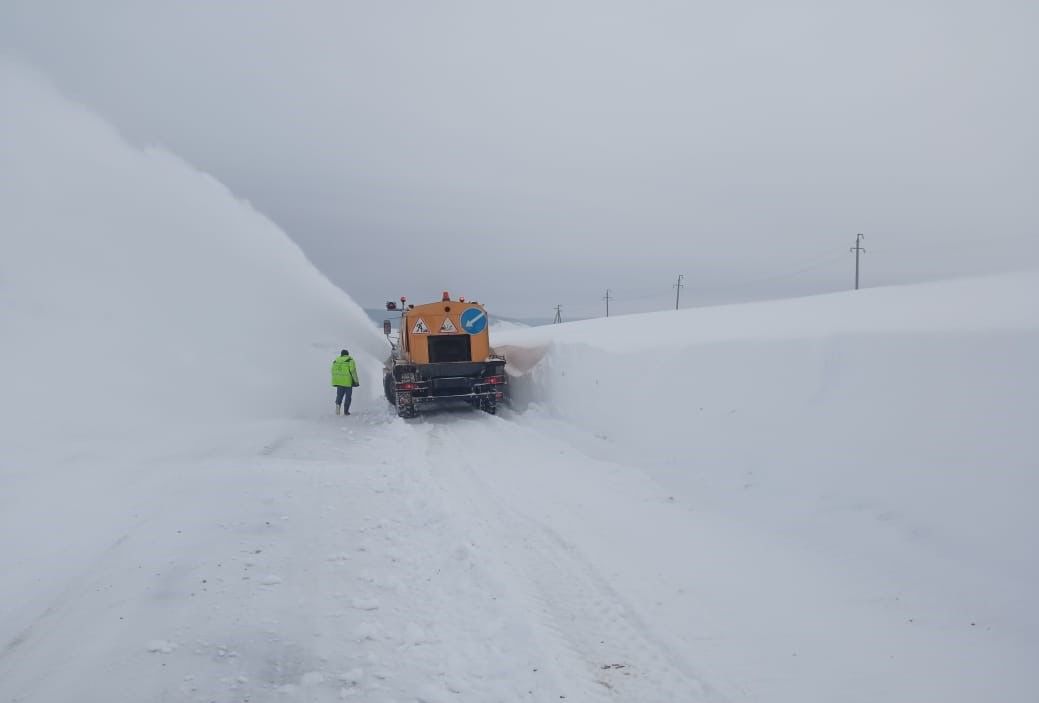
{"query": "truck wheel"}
[(489, 406)]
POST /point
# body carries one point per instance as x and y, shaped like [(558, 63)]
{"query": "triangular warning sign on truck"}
[(420, 327), (448, 326)]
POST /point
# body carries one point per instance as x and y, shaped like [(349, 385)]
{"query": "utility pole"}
[(559, 316), (608, 298), (678, 290), (858, 249)]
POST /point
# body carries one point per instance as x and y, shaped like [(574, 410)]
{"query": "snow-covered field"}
[(499, 326), (855, 476), (824, 499)]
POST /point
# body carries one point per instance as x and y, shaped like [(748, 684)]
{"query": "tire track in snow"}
[(587, 629), (418, 617)]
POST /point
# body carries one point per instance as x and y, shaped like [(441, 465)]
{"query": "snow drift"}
[(135, 289), (145, 314), (881, 442)]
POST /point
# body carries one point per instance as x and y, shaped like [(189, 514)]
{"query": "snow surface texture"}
[(498, 326), (858, 474), (822, 500)]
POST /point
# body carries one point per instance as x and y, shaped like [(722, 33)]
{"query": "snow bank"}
[(505, 326), (914, 372), (889, 434), (135, 290), (150, 323)]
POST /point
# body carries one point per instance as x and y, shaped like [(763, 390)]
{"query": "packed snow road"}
[(459, 557), (361, 557)]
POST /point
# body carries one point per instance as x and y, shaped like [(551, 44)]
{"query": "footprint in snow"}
[(160, 647)]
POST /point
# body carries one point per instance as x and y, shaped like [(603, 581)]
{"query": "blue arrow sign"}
[(474, 320)]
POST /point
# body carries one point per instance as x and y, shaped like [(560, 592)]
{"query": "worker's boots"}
[(338, 410)]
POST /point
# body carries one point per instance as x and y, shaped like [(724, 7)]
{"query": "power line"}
[(647, 296), (659, 294), (778, 276)]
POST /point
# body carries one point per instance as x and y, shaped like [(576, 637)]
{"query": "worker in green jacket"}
[(344, 378)]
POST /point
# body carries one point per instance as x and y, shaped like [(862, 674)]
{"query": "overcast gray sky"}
[(534, 153)]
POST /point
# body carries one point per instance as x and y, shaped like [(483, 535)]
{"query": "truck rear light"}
[(494, 380), (406, 386)]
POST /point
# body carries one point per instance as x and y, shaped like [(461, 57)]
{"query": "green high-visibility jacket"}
[(344, 371)]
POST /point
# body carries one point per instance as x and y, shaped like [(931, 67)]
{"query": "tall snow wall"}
[(136, 290), (892, 431)]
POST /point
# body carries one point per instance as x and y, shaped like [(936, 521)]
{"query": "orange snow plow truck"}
[(442, 356)]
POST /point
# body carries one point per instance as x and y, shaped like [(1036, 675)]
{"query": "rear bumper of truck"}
[(456, 389), (430, 402), (425, 386)]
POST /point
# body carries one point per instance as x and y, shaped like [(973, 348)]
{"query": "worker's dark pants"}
[(344, 394)]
